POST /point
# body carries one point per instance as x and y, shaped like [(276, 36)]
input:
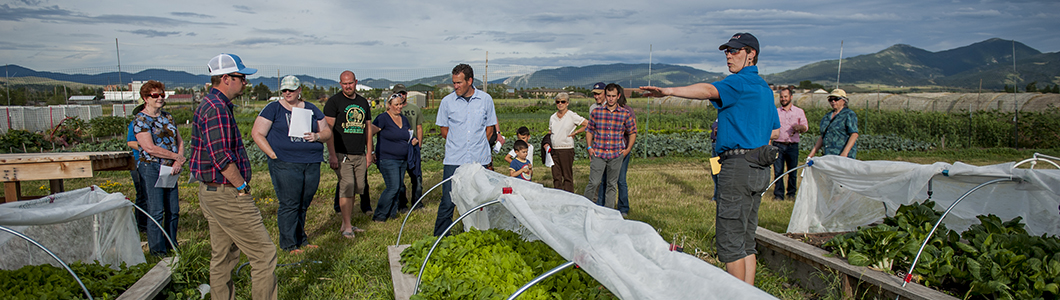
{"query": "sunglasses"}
[(155, 95), (732, 50), (240, 77), (558, 102), (287, 91), (594, 94), (833, 99)]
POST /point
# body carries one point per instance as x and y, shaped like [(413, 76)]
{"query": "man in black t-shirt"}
[(350, 151)]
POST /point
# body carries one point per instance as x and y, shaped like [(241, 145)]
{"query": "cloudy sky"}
[(403, 40)]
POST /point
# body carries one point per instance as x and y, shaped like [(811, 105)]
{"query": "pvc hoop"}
[(428, 257), (908, 275), (407, 215), (169, 239), (540, 278), (65, 266), (781, 177)]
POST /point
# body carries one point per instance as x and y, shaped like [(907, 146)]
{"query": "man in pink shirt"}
[(792, 123)]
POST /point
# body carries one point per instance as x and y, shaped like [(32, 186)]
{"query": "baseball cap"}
[(741, 39), (838, 93), (599, 87), (289, 82), (228, 63), (399, 88)]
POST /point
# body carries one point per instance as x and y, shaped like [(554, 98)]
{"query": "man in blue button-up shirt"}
[(466, 117)]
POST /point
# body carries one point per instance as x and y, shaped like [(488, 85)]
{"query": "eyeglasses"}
[(558, 102), (596, 94), (732, 50), (287, 91), (155, 95)]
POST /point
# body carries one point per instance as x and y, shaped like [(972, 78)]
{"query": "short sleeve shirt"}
[(467, 120), (836, 131), (788, 119), (518, 164), (163, 134), (561, 128), (292, 149), (746, 113), (352, 117), (131, 137), (413, 113), (393, 139)]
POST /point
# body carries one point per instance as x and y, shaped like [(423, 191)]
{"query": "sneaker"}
[(625, 215)]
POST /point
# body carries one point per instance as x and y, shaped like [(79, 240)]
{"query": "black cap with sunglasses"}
[(741, 40)]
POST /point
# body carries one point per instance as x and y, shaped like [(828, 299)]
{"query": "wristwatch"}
[(246, 188)]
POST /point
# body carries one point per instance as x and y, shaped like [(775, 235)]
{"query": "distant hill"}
[(904, 65), (898, 65), (623, 74)]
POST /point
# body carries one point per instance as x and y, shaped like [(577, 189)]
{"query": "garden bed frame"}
[(807, 264), (153, 282)]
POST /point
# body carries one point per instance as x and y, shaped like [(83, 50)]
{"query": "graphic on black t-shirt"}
[(355, 119)]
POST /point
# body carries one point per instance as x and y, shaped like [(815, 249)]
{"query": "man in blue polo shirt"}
[(466, 118), (747, 121)]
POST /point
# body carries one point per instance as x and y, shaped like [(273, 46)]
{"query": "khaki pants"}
[(235, 224)]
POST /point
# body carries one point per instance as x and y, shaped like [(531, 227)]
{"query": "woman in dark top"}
[(294, 161), (395, 136), (160, 145)]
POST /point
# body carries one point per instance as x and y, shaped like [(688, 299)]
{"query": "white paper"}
[(548, 156), (165, 178), (301, 122), (497, 146)]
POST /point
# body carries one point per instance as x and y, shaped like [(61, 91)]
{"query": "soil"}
[(815, 239)]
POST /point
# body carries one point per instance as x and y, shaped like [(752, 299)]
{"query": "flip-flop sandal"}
[(348, 234), (357, 229), (309, 246), (297, 251)]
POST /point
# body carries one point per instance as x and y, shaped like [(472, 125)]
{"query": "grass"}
[(670, 193)]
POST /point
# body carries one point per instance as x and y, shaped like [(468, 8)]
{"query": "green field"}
[(670, 193)]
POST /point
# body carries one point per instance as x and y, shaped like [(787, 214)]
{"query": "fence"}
[(35, 119)]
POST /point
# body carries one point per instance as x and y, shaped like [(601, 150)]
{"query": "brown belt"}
[(218, 184)]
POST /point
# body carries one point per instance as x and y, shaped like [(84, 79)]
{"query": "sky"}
[(404, 40)]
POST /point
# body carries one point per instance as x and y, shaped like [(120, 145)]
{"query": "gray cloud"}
[(152, 33), (30, 2), (191, 15), (243, 9), (280, 31), (369, 43), (56, 14)]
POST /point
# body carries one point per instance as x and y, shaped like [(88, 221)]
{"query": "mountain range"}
[(900, 65)]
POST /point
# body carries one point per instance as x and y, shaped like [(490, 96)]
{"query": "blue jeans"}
[(446, 206), (295, 184), (623, 189), (162, 206), (789, 155), (141, 200), (393, 170)]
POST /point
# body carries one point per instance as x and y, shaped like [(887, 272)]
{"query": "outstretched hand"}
[(653, 91)]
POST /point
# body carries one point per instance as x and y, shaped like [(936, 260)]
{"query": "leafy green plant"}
[(22, 141), (108, 126), (49, 282), (996, 260), (492, 264)]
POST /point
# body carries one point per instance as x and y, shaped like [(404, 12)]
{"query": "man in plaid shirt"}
[(219, 161), (605, 137)]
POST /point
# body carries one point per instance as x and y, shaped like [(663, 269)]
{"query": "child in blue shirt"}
[(520, 166)]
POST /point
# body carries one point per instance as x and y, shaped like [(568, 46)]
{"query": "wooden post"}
[(12, 191)]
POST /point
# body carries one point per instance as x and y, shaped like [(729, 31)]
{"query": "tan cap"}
[(838, 93)]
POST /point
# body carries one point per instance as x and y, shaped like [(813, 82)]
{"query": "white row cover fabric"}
[(839, 194), (628, 257), (85, 225)]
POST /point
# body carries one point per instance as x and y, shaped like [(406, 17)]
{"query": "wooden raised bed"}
[(404, 284), (153, 282), (807, 263)]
